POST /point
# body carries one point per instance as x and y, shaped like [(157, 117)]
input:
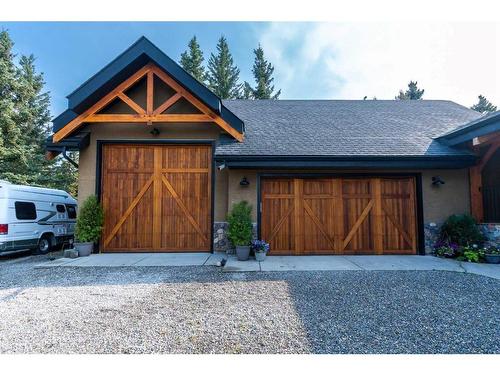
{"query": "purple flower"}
[(260, 246)]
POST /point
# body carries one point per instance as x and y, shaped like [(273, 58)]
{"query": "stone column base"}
[(221, 242)]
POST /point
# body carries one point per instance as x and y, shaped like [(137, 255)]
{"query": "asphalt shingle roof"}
[(345, 127)]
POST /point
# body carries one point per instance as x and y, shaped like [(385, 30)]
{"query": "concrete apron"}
[(137, 260), (360, 263), (280, 263)]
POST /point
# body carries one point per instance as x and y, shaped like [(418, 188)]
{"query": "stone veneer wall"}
[(492, 233), (431, 235), (221, 242)]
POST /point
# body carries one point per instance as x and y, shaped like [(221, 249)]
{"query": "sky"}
[(451, 61)]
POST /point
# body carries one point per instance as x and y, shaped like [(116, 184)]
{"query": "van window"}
[(71, 211), (25, 210), (60, 208)]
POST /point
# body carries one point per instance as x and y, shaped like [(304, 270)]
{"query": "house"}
[(167, 159)]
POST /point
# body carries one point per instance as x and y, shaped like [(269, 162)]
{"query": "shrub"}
[(462, 230), (90, 220), (240, 224), (471, 256)]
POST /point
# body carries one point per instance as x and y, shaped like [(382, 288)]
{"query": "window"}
[(60, 208), (71, 211), (25, 210)]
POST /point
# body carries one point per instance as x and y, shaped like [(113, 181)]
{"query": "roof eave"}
[(142, 47), (477, 128), (347, 162)]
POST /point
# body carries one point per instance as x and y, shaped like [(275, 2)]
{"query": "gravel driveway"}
[(202, 310)]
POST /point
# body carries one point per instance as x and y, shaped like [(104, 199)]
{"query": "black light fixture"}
[(155, 132), (244, 182), (436, 181)]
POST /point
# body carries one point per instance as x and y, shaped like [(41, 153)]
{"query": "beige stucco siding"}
[(451, 198), (221, 194), (438, 202)]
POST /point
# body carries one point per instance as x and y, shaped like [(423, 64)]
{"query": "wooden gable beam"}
[(77, 122), (485, 139), (476, 180), (148, 115), (149, 93), (136, 107), (489, 153), (167, 104), (125, 118), (197, 103)]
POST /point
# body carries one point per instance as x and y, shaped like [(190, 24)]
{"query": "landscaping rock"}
[(204, 310), (70, 253)]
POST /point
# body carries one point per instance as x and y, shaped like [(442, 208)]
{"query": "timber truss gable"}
[(171, 109)]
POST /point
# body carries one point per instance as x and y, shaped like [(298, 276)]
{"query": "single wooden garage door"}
[(339, 215), (156, 197)]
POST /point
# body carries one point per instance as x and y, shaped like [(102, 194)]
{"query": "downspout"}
[(65, 156)]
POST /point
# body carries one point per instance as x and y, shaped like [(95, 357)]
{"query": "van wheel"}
[(44, 245)]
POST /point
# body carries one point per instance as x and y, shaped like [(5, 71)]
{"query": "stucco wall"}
[(88, 156), (451, 198), (438, 202)]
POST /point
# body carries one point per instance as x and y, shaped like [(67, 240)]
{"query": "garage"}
[(339, 215), (156, 197)]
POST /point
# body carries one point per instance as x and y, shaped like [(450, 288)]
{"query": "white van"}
[(34, 218)]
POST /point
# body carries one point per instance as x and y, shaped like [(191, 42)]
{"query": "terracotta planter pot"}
[(84, 248), (242, 252)]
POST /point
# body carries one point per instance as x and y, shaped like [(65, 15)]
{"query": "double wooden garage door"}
[(156, 197), (339, 215)]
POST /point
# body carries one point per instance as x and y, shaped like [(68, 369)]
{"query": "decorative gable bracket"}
[(150, 114)]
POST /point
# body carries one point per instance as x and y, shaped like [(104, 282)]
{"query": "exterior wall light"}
[(155, 132), (436, 181), (244, 182)]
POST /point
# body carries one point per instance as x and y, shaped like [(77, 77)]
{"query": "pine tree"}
[(263, 73), (412, 93), (12, 152), (192, 60), (484, 105), (223, 75), (24, 124), (247, 91)]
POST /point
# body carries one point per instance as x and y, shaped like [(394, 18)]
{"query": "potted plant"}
[(492, 255), (89, 225), (446, 249), (240, 229), (260, 248)]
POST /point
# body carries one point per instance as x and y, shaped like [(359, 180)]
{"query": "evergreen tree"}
[(12, 152), (263, 73), (484, 105), (412, 93), (223, 75), (192, 60), (247, 91), (24, 125)]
